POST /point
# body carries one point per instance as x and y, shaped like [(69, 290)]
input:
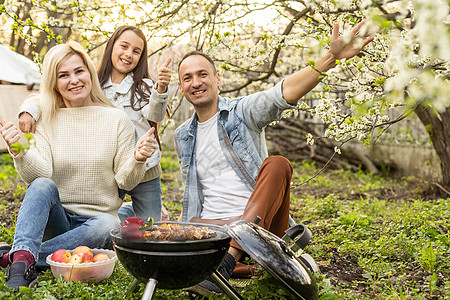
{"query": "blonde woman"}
[(84, 150), (125, 80)]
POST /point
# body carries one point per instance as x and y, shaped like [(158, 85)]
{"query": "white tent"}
[(16, 68), (17, 73)]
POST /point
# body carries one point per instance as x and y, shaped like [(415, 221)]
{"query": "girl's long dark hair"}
[(140, 91)]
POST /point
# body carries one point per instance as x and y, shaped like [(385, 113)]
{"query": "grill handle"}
[(297, 237)]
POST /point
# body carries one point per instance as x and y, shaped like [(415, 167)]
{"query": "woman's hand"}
[(146, 146), (10, 134), (164, 76)]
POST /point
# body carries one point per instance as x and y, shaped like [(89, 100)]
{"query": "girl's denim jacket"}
[(240, 126), (154, 111)]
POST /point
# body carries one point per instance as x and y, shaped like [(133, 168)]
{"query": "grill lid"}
[(274, 255)]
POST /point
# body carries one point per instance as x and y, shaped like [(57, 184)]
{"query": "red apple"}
[(81, 250), (100, 257), (61, 255), (86, 258), (75, 259)]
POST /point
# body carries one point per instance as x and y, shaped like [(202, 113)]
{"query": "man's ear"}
[(179, 86), (218, 79)]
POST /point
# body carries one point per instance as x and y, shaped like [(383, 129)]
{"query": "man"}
[(222, 150)]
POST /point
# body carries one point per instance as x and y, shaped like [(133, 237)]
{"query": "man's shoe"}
[(18, 274), (207, 287)]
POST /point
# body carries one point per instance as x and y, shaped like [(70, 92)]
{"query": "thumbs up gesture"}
[(164, 76), (146, 146), (10, 134)]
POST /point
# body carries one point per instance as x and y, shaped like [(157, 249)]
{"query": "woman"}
[(125, 80), (83, 151)]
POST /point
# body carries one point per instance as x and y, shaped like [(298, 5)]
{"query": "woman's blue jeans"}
[(146, 201), (43, 226)]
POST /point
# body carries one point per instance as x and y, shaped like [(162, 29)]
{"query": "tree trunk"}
[(438, 128), (17, 41), (24, 16)]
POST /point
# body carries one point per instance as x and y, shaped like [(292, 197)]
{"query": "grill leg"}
[(225, 286), (132, 288), (149, 289)]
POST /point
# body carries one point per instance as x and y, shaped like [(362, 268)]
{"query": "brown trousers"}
[(270, 197)]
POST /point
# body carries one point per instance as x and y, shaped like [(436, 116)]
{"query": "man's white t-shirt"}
[(225, 195)]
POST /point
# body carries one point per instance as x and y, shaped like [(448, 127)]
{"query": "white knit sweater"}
[(88, 154)]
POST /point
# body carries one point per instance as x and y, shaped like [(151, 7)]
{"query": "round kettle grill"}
[(178, 264)]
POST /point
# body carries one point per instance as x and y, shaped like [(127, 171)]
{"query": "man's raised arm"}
[(301, 82)]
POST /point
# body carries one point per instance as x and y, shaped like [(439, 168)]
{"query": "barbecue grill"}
[(175, 264)]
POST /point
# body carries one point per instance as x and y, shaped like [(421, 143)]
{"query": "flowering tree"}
[(259, 42)]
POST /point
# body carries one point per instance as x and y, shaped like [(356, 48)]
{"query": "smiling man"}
[(222, 150)]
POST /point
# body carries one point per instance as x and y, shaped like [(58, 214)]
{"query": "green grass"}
[(401, 246), (168, 164), (374, 237)]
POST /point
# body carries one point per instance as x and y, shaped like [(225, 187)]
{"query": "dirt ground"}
[(9, 205)]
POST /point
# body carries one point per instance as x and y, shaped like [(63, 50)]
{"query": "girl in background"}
[(125, 80)]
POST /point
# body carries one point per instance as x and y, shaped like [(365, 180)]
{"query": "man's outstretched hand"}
[(340, 48), (302, 82)]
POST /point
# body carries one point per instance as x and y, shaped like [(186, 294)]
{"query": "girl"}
[(125, 80)]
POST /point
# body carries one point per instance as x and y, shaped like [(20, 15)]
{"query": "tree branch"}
[(276, 54)]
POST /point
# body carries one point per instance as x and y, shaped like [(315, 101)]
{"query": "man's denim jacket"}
[(240, 126)]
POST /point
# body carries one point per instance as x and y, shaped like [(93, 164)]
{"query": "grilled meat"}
[(171, 231)]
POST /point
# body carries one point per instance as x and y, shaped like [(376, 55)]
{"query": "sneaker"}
[(18, 274), (207, 287), (4, 249)]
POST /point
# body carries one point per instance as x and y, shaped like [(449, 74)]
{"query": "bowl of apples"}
[(82, 264)]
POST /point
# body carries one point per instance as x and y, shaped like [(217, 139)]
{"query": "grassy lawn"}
[(373, 238)]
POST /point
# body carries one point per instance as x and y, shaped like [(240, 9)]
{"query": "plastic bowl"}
[(84, 272)]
